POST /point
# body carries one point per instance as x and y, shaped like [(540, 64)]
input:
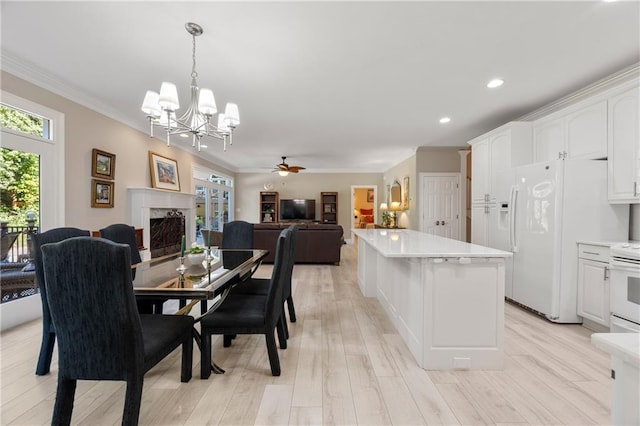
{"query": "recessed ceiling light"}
[(184, 135), (445, 120), (204, 146), (496, 82)]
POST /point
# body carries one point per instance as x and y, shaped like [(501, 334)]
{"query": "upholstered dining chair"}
[(261, 285), (48, 330), (237, 234), (126, 234), (211, 238), (250, 314), (100, 334)]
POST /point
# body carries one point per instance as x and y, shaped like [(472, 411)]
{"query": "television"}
[(297, 210)]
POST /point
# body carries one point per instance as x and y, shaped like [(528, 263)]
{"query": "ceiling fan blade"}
[(295, 169), (282, 166)]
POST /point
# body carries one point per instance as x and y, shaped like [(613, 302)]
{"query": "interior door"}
[(440, 204)]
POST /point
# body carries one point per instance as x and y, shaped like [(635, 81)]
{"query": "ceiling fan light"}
[(283, 173), (207, 102), (232, 114), (169, 97), (150, 105)]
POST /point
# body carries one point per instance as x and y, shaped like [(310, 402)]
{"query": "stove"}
[(625, 287), (628, 252)]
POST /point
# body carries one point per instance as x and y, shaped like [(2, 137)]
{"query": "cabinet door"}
[(593, 291), (500, 159), (624, 153), (479, 225), (548, 140), (587, 132), (480, 171)]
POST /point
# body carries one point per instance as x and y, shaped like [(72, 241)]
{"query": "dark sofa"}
[(317, 243)]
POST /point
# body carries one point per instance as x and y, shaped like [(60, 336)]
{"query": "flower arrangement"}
[(196, 250)]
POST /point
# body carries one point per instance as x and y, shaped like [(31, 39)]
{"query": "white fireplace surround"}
[(147, 203)]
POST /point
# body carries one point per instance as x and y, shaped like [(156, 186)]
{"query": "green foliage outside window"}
[(19, 171)]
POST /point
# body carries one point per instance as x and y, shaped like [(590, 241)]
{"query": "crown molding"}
[(30, 72), (616, 79)]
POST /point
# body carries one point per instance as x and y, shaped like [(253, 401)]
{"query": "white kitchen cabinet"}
[(480, 171), (624, 148), (492, 153), (576, 132), (593, 283)]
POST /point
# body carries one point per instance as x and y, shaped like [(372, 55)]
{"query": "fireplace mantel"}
[(143, 200)]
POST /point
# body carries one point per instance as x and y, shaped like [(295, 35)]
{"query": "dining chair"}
[(48, 330), (100, 334), (237, 234), (126, 234), (211, 238), (6, 242), (250, 314), (261, 285)]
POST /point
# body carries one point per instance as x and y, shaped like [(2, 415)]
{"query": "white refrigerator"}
[(542, 211)]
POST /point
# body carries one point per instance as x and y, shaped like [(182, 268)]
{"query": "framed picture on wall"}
[(103, 164), (101, 193), (369, 195), (164, 172), (405, 193)]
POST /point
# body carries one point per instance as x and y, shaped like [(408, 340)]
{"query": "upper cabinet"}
[(505, 147), (576, 132), (624, 147)]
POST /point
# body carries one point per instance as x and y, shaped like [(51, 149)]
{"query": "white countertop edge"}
[(605, 243), (623, 345)]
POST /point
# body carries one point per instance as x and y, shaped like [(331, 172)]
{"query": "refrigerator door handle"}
[(512, 218)]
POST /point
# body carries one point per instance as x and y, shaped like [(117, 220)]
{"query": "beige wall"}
[(438, 159), (407, 218), (86, 129), (302, 185)]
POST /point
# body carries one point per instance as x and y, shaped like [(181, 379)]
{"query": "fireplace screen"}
[(166, 234)]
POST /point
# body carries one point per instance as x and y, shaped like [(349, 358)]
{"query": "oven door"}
[(625, 291)]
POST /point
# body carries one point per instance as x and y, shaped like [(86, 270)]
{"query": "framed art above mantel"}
[(164, 172)]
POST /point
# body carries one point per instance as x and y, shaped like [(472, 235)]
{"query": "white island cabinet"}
[(444, 296)]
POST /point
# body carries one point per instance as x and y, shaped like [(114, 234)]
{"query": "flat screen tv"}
[(297, 210)]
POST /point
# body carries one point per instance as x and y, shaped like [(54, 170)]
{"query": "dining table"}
[(208, 278)]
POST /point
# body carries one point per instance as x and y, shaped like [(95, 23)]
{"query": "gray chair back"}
[(237, 235)]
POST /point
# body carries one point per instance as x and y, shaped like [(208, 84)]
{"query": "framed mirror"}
[(395, 192)]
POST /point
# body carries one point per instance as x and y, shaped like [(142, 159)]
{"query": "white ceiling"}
[(335, 86)]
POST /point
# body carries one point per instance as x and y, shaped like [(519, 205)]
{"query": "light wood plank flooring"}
[(345, 364)]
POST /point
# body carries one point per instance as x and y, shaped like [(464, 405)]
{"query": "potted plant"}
[(195, 257)]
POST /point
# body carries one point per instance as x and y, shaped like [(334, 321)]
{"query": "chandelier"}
[(161, 109)]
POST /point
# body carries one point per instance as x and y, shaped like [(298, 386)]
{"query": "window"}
[(32, 141), (214, 201)]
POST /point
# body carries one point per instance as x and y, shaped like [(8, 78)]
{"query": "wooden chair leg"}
[(205, 355), (282, 335), (272, 351), (63, 407), (132, 401), (226, 341), (46, 353), (187, 359), (292, 309)]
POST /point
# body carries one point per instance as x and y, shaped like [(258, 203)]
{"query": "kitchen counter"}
[(624, 349), (445, 297), (410, 243)]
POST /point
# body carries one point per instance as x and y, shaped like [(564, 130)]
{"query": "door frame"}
[(421, 209), (375, 204)]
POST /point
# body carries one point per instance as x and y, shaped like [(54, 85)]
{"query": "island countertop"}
[(409, 243)]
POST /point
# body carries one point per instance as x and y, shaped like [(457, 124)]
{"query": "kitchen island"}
[(445, 297)]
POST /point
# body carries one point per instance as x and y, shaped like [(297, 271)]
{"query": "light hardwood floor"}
[(345, 364)]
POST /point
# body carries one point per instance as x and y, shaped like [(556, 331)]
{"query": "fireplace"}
[(166, 233), (164, 216)]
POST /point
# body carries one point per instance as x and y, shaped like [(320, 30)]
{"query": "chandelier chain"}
[(194, 73)]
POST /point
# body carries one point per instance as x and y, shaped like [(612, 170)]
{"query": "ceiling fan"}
[(284, 169)]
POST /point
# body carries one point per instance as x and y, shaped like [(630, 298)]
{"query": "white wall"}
[(634, 226)]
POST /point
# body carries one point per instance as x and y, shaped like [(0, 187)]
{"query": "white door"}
[(440, 195)]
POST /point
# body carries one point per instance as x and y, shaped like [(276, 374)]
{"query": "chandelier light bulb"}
[(168, 99), (232, 114), (207, 102), (150, 105)]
